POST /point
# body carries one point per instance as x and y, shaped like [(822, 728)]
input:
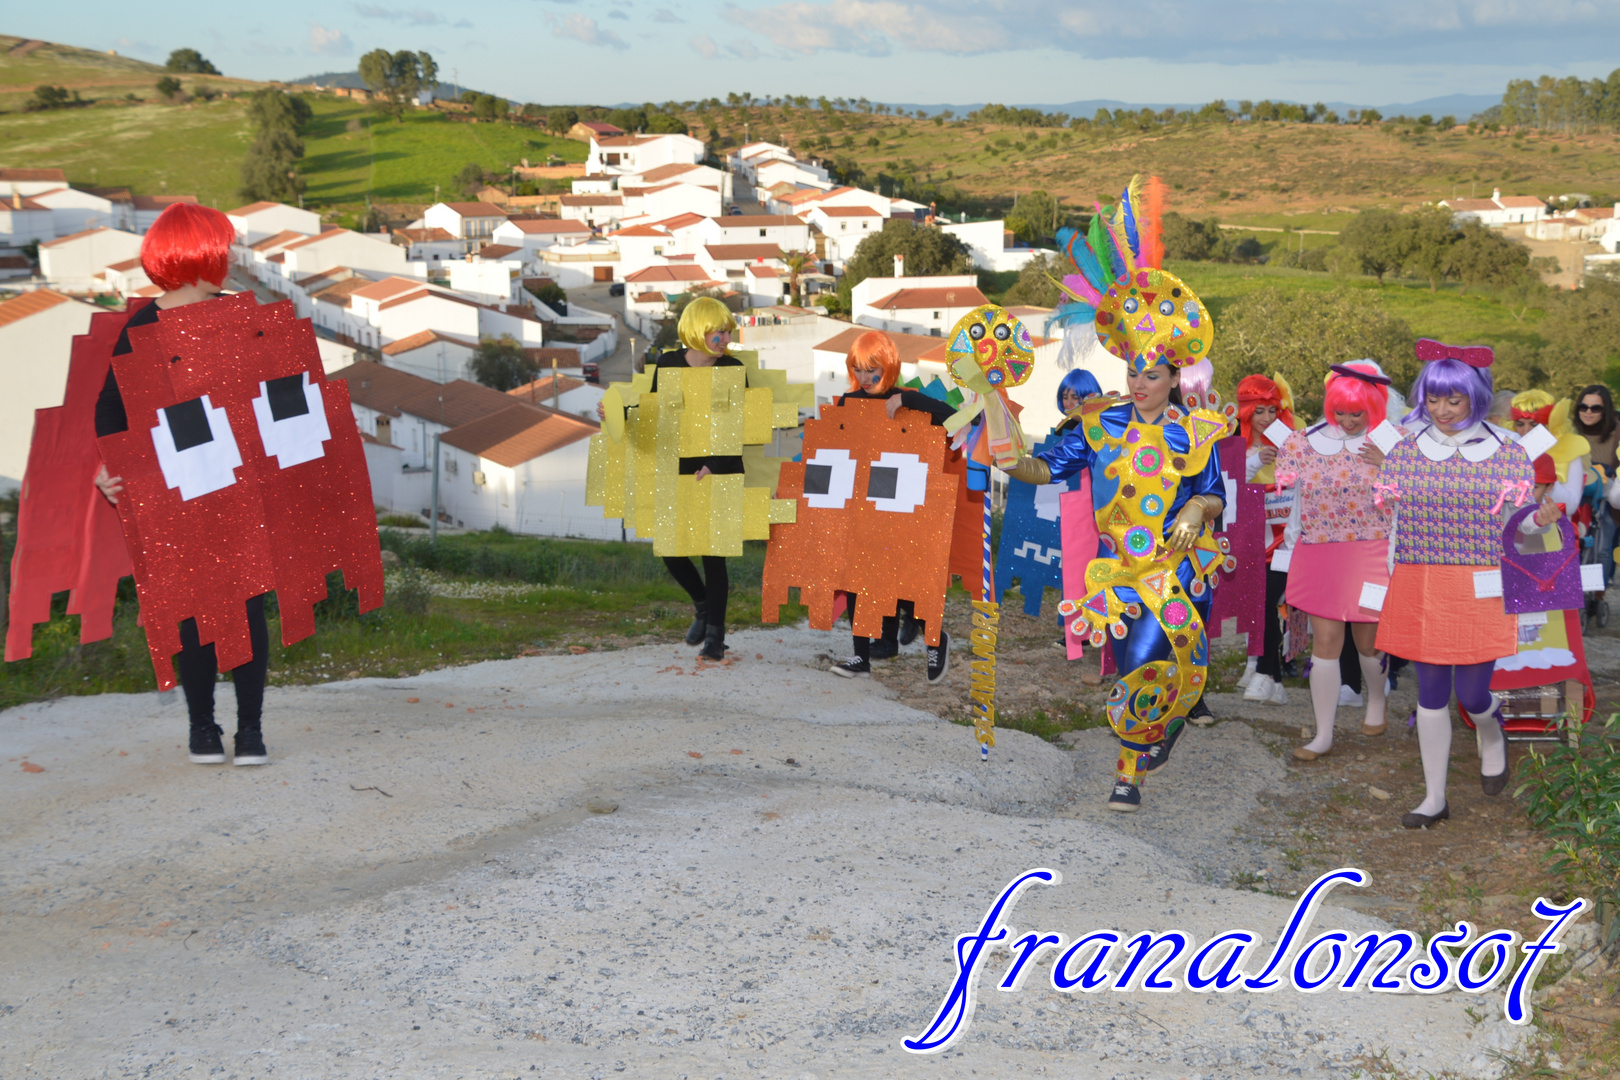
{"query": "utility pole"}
[(433, 528)]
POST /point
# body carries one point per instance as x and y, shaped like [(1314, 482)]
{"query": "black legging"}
[(712, 590), (199, 668), (891, 627), (1271, 659)]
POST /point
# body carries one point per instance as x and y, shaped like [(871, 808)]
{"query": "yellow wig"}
[(702, 317)]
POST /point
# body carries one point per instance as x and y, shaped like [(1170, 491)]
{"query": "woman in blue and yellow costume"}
[(1155, 483)]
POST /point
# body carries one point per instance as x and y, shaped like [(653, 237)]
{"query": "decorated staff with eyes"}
[(1154, 480), (235, 469)]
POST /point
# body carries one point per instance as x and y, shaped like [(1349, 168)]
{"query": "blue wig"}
[(1080, 382)]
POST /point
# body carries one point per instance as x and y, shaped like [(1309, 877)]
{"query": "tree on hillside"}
[(52, 97), (1037, 281), (559, 121), (1484, 257), (1582, 329), (395, 78), (1300, 333), (1431, 239), (189, 62), (270, 168), (168, 87), (1379, 239), (1185, 238), (499, 364), (928, 252), (471, 180)]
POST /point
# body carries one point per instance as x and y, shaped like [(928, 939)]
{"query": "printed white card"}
[(1281, 558), (1278, 433), (1372, 595), (1532, 618), (1592, 577), (1537, 441), (1487, 583), (1385, 436)]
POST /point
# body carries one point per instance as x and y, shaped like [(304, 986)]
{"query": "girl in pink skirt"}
[(1338, 537)]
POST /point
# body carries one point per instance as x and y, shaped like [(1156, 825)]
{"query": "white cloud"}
[(330, 42), (664, 15), (583, 29), (1243, 32), (705, 47), (745, 49)]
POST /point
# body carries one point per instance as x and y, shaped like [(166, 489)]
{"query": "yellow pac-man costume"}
[(635, 470)]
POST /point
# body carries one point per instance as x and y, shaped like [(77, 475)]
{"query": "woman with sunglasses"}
[(1595, 419)]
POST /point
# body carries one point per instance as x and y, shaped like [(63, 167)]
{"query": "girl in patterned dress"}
[(1338, 540), (1454, 477), (1261, 403)]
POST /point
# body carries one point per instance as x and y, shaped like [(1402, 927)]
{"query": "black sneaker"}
[(939, 658), (207, 744), (884, 650), (1159, 752), (714, 643), (908, 629), (250, 749), (1125, 798), (856, 667), (1199, 713)]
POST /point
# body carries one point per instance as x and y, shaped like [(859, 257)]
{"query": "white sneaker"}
[(1248, 672), (1349, 697), (1260, 688), (1279, 694)]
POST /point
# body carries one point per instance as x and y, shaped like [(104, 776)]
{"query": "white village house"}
[(36, 341)]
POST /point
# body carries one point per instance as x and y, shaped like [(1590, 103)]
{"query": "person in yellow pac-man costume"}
[(682, 458)]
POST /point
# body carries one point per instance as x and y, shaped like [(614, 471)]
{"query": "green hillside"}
[(26, 63)]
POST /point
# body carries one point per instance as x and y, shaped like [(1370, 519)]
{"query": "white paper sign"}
[(1229, 511), (1538, 441), (1487, 584), (1278, 433), (1385, 436), (1372, 596), (1281, 558), (1592, 577), (1532, 618)]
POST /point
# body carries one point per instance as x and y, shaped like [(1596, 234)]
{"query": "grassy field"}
[(95, 75), (197, 149)]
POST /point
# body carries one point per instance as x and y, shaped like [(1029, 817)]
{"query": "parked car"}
[(616, 289), (592, 372)]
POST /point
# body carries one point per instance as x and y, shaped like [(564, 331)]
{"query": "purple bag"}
[(1547, 581)]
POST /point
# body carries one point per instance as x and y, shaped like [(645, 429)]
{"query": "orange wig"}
[(874, 349), (1257, 390)]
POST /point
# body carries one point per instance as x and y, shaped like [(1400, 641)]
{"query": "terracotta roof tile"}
[(388, 288), (755, 221), (252, 208), (496, 252), (423, 236), (20, 175), (733, 252), (519, 433), (951, 297), (654, 274), (910, 346), (455, 403), (379, 387), (285, 236), (476, 209), (29, 303), (547, 226), (422, 339), (161, 202), (591, 200)]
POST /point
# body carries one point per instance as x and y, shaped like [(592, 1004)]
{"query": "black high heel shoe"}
[(1494, 785)]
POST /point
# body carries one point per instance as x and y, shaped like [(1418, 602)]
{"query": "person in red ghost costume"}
[(186, 253)]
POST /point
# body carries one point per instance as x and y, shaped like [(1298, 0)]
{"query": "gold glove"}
[(1031, 470), (1189, 524)]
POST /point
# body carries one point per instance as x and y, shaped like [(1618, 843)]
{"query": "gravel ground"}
[(775, 893)]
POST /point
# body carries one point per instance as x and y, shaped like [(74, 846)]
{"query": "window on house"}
[(936, 314), (762, 232)]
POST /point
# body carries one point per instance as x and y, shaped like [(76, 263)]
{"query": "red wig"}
[(874, 349), (1346, 393), (186, 245), (1257, 390)]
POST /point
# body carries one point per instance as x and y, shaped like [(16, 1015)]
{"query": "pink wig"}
[(1346, 393)]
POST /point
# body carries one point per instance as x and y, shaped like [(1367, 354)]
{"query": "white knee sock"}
[(1492, 742), (1434, 743), (1372, 683), (1324, 702)]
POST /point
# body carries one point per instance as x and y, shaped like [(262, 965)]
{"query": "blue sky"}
[(943, 51)]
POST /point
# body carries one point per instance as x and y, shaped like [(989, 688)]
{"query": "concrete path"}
[(417, 887)]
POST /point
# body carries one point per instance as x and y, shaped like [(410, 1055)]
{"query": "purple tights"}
[(1473, 683)]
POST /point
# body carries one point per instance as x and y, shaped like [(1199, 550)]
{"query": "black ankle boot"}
[(714, 643), (694, 633)]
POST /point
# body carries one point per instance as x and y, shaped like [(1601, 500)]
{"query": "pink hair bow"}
[(1479, 356), (1517, 488), (1287, 479), (1381, 490)]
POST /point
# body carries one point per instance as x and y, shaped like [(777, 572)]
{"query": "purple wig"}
[(1443, 378)]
